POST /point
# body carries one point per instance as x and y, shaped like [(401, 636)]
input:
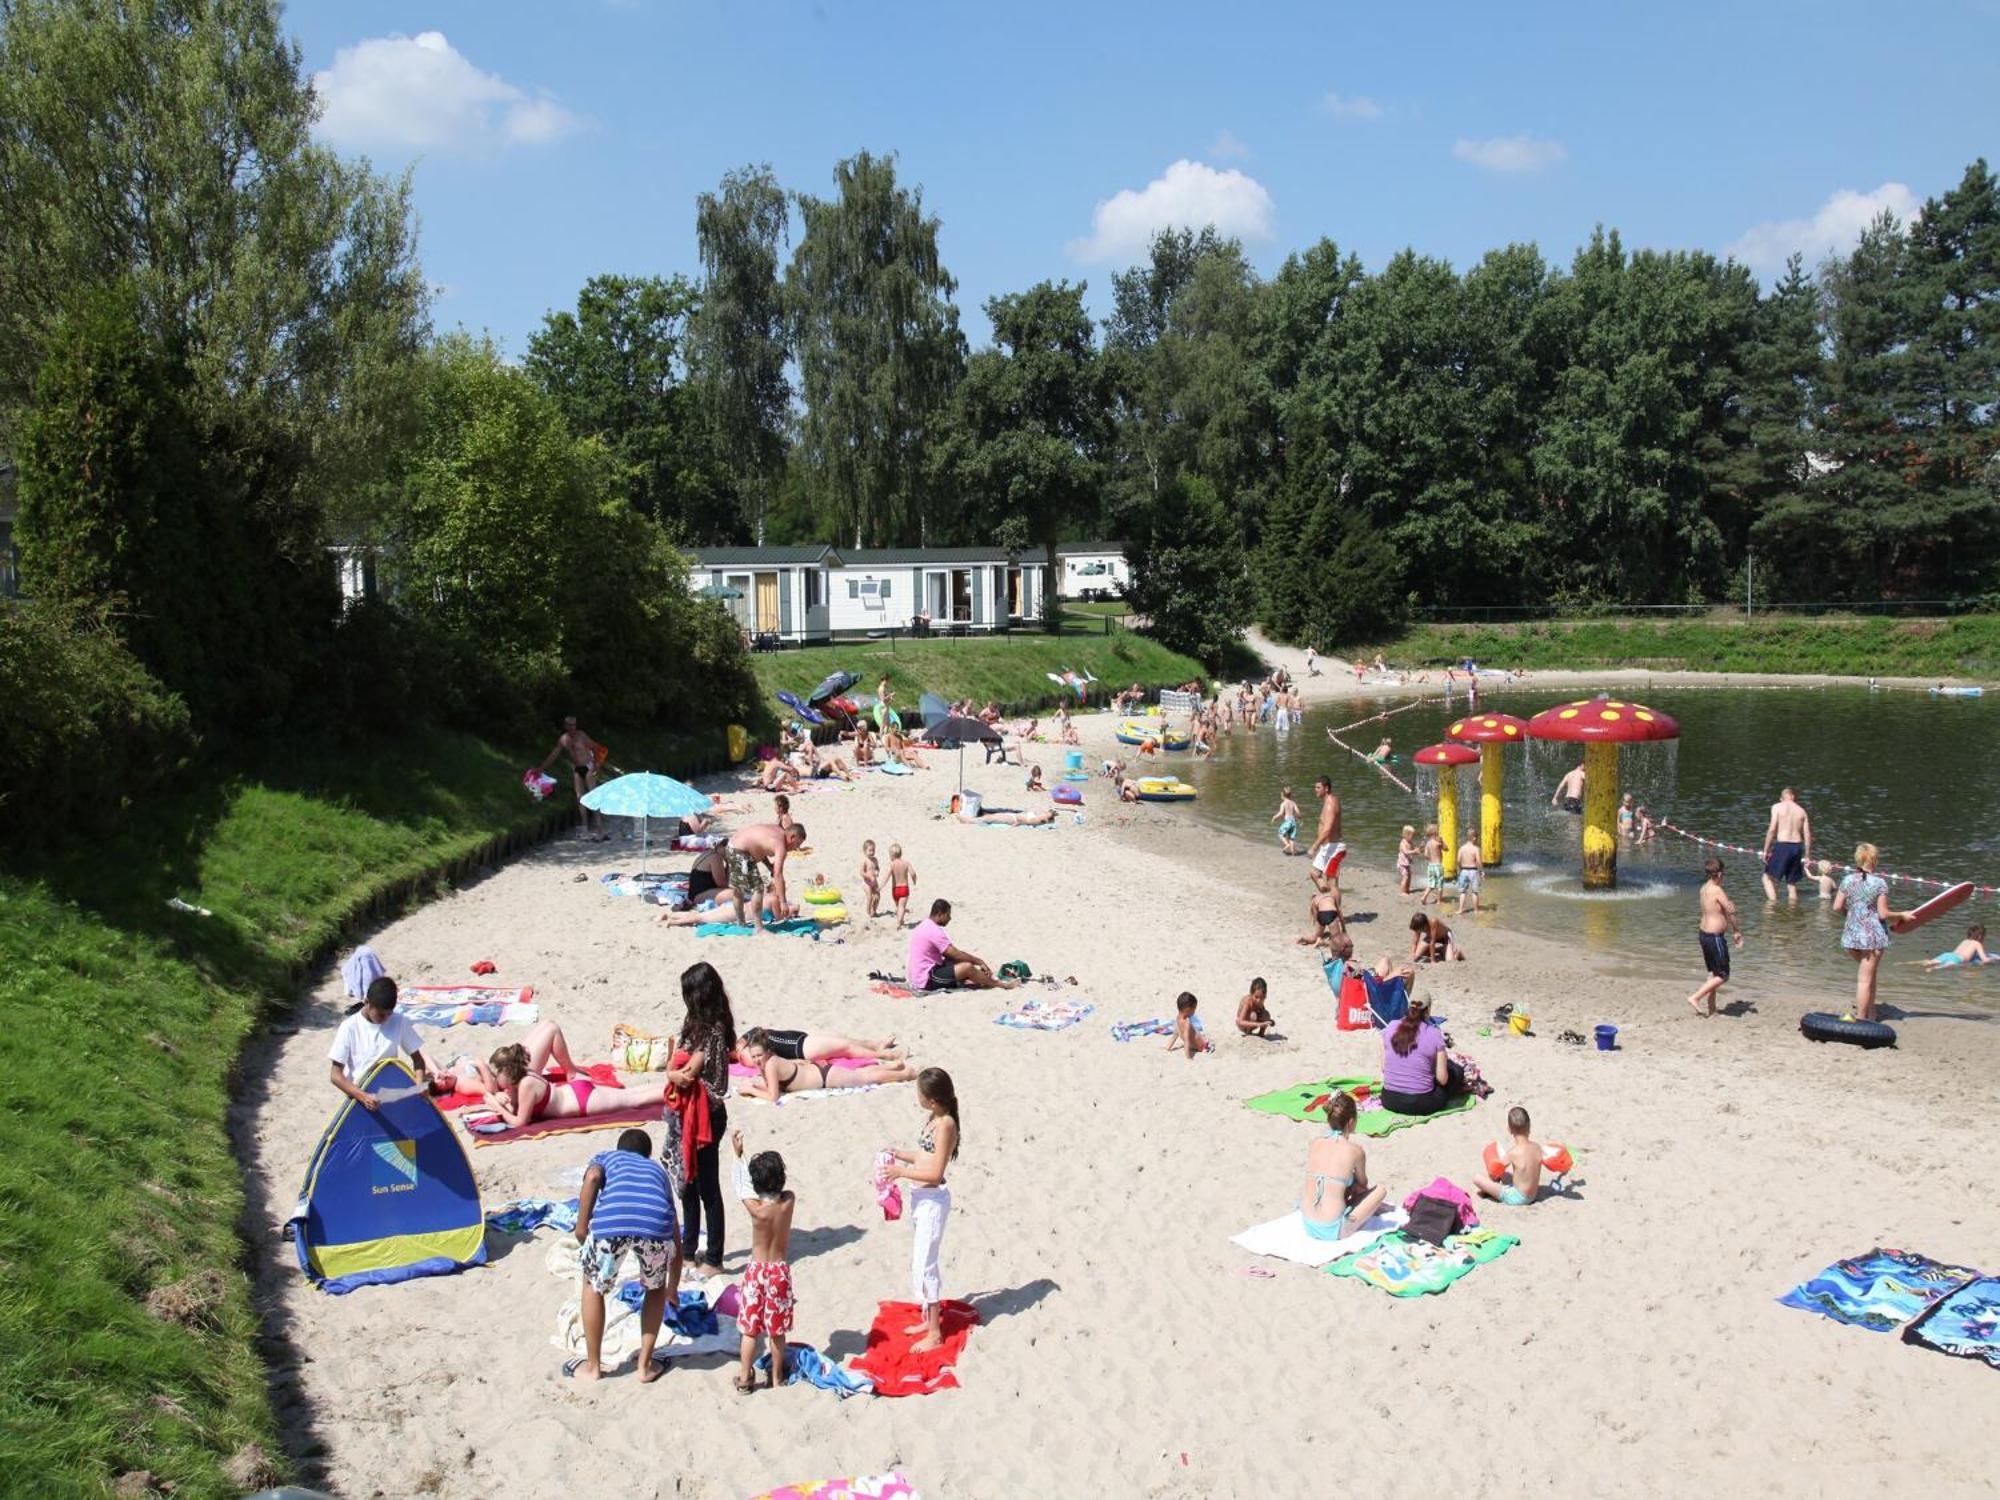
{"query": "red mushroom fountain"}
[(1601, 725), (1489, 732), (1447, 758)]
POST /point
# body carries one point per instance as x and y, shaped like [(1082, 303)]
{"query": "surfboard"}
[(1937, 906)]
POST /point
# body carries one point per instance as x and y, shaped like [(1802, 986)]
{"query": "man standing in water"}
[(1327, 850), (1787, 845), (1569, 792), (1718, 926)]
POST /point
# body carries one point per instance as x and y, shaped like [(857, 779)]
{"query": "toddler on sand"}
[(871, 877), (1521, 1159), (1188, 1032), (902, 876), (1253, 1012), (1406, 851), (766, 1288)]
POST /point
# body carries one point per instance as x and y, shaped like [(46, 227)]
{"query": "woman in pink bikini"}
[(524, 1095)]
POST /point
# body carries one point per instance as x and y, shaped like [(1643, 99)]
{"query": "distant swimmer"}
[(1569, 792), (1787, 845)]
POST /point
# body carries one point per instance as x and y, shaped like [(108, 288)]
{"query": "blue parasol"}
[(804, 710), (645, 796)]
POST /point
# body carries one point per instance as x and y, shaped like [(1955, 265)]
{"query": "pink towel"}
[(1468, 1216)]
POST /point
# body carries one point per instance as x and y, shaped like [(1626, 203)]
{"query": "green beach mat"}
[(1292, 1103), (1406, 1267)]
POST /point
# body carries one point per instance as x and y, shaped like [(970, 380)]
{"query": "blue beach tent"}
[(389, 1194)]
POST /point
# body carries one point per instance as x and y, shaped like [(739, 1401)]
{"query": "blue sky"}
[(555, 141)]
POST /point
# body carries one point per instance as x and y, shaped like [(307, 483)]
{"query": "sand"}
[(1632, 1342)]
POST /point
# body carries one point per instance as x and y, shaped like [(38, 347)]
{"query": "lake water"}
[(1905, 771)]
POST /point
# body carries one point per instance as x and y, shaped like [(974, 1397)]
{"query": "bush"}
[(87, 730)]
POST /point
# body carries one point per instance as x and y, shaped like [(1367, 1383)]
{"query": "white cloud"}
[(1228, 146), (421, 93), (1832, 230), (1511, 153), (1188, 195), (1351, 107)]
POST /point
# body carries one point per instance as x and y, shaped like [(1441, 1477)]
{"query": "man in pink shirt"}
[(935, 964)]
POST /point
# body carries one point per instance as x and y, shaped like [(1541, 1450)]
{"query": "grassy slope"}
[(123, 1024), (1007, 669), (1964, 646)]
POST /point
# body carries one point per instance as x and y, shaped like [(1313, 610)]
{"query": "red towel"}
[(895, 1370), (485, 966), (595, 1072), (893, 991), (697, 1126)]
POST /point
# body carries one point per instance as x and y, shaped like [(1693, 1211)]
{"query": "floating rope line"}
[(1757, 854), (1387, 712), (1370, 760)]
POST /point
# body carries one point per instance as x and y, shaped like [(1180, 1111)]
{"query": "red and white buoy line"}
[(1369, 760), (1758, 855)]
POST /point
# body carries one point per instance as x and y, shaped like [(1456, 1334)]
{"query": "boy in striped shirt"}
[(625, 1205)]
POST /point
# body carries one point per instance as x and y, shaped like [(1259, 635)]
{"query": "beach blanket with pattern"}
[(794, 926), (1878, 1291), (468, 1005), (1125, 1031), (1406, 1267), (1295, 1104), (1965, 1323), (890, 1486), (1045, 1015)]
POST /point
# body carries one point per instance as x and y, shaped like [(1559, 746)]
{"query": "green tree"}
[(739, 336), (1030, 423), (617, 369), (1188, 571), (878, 347)]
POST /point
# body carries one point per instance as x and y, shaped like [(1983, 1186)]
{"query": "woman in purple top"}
[(1417, 1077)]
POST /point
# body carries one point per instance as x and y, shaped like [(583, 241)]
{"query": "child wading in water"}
[(1253, 1012), (1971, 951), (871, 877), (930, 1199), (1522, 1164), (1406, 851), (766, 1306), (1188, 1032), (1287, 819), (902, 876)]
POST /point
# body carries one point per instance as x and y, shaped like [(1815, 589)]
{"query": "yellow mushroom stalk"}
[(1490, 732), (1600, 725), (1447, 758)]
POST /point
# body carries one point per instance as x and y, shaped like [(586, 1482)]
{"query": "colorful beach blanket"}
[(1406, 1267), (1125, 1031), (1965, 1323), (468, 1005), (1286, 1238), (486, 1128), (795, 926), (1046, 1015), (1878, 1291), (526, 1215), (1294, 1104), (895, 1368), (803, 1362), (890, 1486)]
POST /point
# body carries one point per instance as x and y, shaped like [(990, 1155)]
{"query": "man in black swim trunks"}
[(1718, 926), (1569, 792), (582, 753), (1787, 845)]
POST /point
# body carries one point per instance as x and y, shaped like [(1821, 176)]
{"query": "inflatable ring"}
[(827, 915), (1824, 1026), (1067, 795), (1556, 1159), (822, 895)]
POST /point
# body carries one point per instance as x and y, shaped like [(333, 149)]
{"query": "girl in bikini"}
[(524, 1095), (468, 1075), (1336, 1188), (784, 1075)]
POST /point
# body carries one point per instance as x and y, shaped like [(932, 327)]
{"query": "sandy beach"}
[(1631, 1343)]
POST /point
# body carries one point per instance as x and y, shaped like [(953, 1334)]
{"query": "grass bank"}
[(1961, 646), (127, 1339), (1009, 669)]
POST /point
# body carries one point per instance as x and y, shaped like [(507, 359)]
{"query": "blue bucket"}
[(1607, 1038), (1073, 761)]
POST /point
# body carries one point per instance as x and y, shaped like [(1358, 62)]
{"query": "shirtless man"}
[(1327, 850), (581, 751), (1569, 792), (1787, 845), (735, 871), (1718, 926)]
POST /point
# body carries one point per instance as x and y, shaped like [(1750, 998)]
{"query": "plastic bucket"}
[(1073, 761), (1607, 1038), (1519, 1023)]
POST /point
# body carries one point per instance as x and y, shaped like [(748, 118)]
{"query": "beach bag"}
[(1015, 968), (1432, 1219), (633, 1051)]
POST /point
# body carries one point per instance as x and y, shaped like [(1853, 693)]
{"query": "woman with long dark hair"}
[(1418, 1077), (708, 1038), (930, 1200)]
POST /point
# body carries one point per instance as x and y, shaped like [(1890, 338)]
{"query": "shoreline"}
[(1721, 1163)]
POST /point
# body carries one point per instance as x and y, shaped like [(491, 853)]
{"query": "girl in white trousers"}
[(930, 1199)]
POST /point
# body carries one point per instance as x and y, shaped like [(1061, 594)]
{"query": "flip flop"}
[(741, 1388), (1573, 1038), (571, 1366), (1256, 1273)]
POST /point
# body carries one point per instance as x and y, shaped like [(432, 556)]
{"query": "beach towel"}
[(362, 969), (1126, 1031), (794, 926), (803, 1362), (1294, 1104), (894, 768), (1444, 1189), (1965, 1323), (621, 1335), (1878, 1291), (800, 1095), (1045, 1015), (597, 1073), (526, 1215), (896, 1370), (1406, 1267), (692, 1319), (468, 1005), (890, 1486), (485, 1128), (696, 843), (1286, 1238)]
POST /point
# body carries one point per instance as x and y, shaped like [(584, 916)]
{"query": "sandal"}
[(1503, 1014), (1573, 1038), (743, 1387)]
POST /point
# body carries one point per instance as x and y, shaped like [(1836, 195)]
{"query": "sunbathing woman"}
[(758, 1042), (1336, 1195), (468, 1075), (794, 1075), (524, 1096)]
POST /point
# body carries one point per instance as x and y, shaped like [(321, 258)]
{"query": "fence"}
[(1500, 614)]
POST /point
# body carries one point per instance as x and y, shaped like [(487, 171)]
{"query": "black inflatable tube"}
[(1823, 1026)]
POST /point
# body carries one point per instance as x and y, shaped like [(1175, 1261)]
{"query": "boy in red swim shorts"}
[(766, 1308)]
